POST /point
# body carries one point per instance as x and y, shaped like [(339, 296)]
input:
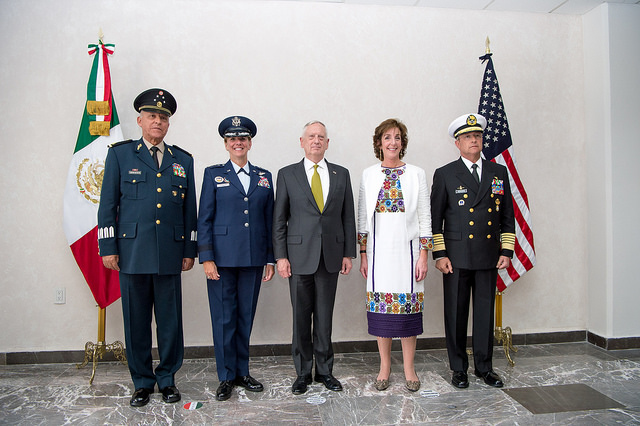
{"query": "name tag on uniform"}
[(461, 190), (221, 185)]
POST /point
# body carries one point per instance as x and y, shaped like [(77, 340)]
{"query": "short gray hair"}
[(311, 123)]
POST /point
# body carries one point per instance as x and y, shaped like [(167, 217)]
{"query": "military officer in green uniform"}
[(147, 231)]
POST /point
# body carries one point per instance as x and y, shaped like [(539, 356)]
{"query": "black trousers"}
[(142, 296), (312, 299), (459, 287)]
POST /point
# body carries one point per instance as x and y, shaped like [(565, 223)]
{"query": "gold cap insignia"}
[(471, 120)]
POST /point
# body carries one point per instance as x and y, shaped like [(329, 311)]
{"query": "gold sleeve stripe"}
[(508, 241), (438, 242)]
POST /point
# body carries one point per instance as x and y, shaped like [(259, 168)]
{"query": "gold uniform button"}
[(489, 223), (124, 235), (489, 210), (465, 196), (182, 237), (246, 198), (246, 225), (158, 222), (158, 205), (159, 175), (489, 236), (491, 195), (471, 210), (471, 223), (180, 186), (246, 212), (159, 190), (471, 236), (134, 181)]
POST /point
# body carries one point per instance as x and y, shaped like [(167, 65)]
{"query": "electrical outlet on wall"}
[(60, 296)]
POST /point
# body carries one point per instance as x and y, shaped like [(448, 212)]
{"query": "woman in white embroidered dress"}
[(394, 233)]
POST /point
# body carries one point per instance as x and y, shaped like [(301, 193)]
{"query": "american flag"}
[(498, 148)]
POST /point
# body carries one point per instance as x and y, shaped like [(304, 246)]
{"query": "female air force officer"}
[(234, 244)]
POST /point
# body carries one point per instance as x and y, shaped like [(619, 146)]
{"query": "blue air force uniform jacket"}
[(234, 226), (147, 215), (472, 225)]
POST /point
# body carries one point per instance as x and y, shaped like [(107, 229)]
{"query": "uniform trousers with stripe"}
[(232, 303)]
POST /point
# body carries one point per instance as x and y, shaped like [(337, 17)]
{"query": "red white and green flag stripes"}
[(100, 127)]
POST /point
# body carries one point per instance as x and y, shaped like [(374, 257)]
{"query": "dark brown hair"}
[(382, 128)]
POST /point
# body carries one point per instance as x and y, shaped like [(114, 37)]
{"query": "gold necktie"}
[(316, 188)]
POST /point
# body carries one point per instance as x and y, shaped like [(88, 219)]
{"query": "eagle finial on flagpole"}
[(486, 43)]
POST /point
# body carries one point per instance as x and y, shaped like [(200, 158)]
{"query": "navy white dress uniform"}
[(473, 225), (234, 228), (147, 217)]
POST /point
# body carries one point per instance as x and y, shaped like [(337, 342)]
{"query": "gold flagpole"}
[(95, 352), (502, 335)]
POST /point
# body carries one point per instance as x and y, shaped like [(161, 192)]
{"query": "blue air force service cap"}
[(158, 100), (237, 125), (467, 123)]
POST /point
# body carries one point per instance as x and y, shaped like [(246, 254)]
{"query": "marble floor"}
[(552, 380)]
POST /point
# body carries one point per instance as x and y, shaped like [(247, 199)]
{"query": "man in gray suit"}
[(314, 240)]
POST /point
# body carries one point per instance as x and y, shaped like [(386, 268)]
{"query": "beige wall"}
[(283, 64)]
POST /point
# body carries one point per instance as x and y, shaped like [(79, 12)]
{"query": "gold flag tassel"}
[(503, 335), (95, 352)]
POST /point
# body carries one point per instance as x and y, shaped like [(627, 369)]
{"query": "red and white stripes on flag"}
[(498, 147)]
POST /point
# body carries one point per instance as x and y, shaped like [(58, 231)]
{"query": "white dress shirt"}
[(323, 171), (469, 164)]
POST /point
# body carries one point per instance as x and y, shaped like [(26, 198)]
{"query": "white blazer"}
[(415, 192)]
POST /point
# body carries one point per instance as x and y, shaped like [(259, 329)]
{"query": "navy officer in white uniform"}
[(147, 231), (235, 248)]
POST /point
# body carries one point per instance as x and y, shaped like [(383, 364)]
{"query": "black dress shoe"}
[(170, 394), (224, 390), (140, 397), (249, 383), (329, 382), (460, 379), (300, 385), (490, 378)]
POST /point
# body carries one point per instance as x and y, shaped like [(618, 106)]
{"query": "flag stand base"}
[(503, 335), (95, 351)]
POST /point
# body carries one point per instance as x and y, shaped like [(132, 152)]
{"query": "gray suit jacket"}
[(301, 233)]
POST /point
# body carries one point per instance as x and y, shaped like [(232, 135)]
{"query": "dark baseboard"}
[(206, 352), (613, 343)]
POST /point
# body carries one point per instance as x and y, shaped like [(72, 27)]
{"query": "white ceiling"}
[(570, 7)]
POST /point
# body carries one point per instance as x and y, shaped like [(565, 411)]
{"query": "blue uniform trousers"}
[(143, 295), (232, 303)]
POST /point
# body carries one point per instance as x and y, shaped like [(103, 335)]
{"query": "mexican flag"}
[(100, 127)]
